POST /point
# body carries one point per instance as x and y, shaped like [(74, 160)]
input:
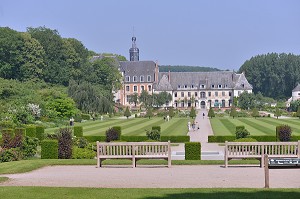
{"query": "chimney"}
[(169, 76), (156, 71)]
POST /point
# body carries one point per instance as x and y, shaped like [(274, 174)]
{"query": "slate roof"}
[(164, 84), (297, 88), (242, 83), (138, 68)]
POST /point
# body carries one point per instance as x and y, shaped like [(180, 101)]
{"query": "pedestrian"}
[(71, 121), (203, 115), (164, 118), (189, 125), (193, 126)]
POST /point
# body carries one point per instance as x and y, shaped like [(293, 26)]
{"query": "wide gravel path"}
[(206, 176)]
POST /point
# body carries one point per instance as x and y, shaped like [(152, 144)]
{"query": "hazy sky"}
[(221, 34)]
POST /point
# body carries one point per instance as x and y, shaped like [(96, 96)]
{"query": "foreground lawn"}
[(259, 126), (67, 193), (134, 126), (30, 165)]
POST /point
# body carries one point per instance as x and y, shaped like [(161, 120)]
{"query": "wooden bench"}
[(134, 151), (257, 150)]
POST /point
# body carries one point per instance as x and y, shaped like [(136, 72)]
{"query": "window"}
[(225, 86), (243, 85), (142, 88), (189, 94), (202, 86), (149, 87), (209, 94), (298, 93), (196, 94), (229, 93), (192, 86), (128, 98), (216, 94), (175, 94), (212, 86), (178, 86), (135, 88), (148, 78), (134, 78), (223, 93), (127, 88), (202, 94), (185, 86), (219, 86), (142, 78), (239, 92), (182, 94), (127, 79)]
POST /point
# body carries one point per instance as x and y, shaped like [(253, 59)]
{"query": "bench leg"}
[(169, 162), (133, 162)]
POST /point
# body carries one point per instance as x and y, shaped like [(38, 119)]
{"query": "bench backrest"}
[(133, 148), (257, 149)]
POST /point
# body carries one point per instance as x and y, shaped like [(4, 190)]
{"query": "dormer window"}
[(134, 78), (185, 86), (148, 78), (127, 79), (219, 86), (178, 86), (212, 86), (202, 86), (142, 78), (243, 85), (225, 86), (192, 86)]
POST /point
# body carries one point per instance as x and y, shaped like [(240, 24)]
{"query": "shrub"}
[(153, 135), (284, 133), (213, 138), (77, 118), (242, 133), (81, 142), (65, 143), (78, 131), (158, 128), (134, 138), (31, 131), (193, 113), (127, 113), (49, 149), (211, 113), (85, 116), (8, 155), (29, 146), (40, 130), (7, 138), (7, 124), (149, 113), (83, 153), (118, 129), (18, 138), (101, 138), (175, 139), (192, 151), (239, 128), (111, 135), (245, 140)]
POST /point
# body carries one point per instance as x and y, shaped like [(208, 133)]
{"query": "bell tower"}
[(134, 51)]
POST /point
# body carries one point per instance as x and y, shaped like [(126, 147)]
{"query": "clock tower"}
[(134, 51)]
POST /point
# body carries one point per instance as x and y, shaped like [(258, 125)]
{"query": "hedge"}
[(158, 128), (192, 151), (175, 139), (49, 149), (40, 130), (101, 138), (85, 116), (78, 131), (20, 131), (7, 137), (31, 131), (212, 138), (134, 138), (118, 129)]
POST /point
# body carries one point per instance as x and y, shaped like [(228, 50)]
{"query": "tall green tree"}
[(277, 112), (146, 99), (211, 113), (193, 112), (149, 113), (233, 112), (127, 113), (171, 112), (298, 112), (255, 113), (246, 101), (134, 99)]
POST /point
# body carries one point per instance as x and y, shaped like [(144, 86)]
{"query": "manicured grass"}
[(3, 179), (134, 126), (145, 193), (30, 165), (259, 126)]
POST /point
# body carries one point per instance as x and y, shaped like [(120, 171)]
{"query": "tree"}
[(193, 113), (127, 112), (134, 99), (277, 112), (298, 112), (255, 113), (211, 113), (145, 99), (294, 105), (171, 112), (149, 113), (246, 101), (192, 100), (162, 98), (233, 112)]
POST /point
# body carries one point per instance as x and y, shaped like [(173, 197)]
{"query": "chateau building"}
[(198, 89)]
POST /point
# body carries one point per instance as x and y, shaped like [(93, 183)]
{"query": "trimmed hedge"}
[(175, 139), (118, 129), (7, 137), (85, 116), (31, 131), (134, 138), (101, 138), (40, 130), (192, 151), (78, 131), (49, 149), (212, 138), (158, 128)]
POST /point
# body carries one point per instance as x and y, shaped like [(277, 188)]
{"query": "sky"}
[(212, 33)]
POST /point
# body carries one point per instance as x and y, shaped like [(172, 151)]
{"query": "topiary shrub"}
[(31, 131), (7, 138), (78, 131), (111, 135), (158, 128), (65, 143), (18, 138), (153, 135), (83, 153), (49, 149), (241, 133), (192, 150), (119, 130), (284, 133), (85, 116), (29, 146), (8, 155), (80, 142), (40, 130)]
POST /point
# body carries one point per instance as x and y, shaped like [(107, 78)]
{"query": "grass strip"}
[(229, 125), (145, 193), (30, 165), (3, 179), (257, 126)]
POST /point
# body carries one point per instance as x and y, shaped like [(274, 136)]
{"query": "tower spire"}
[(133, 51)]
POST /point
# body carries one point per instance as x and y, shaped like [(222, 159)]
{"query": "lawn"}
[(260, 126), (134, 126), (144, 193)]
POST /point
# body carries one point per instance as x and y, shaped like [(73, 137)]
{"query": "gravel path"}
[(206, 176)]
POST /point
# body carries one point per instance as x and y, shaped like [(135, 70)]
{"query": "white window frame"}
[(142, 78), (148, 78), (135, 90), (134, 78), (127, 79)]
